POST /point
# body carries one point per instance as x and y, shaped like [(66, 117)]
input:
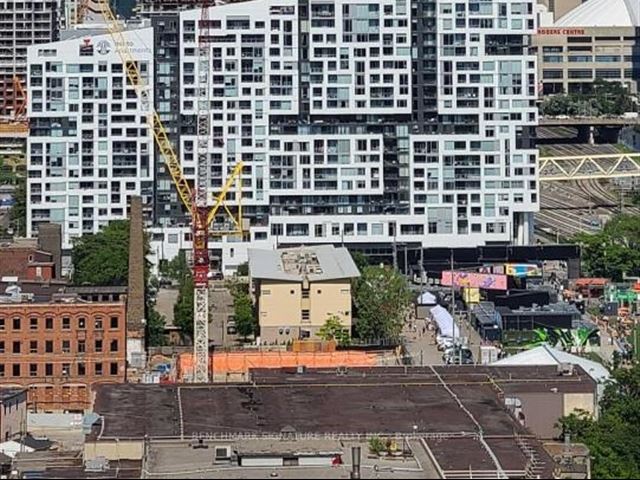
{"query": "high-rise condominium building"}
[(22, 23), (89, 148), (363, 123)]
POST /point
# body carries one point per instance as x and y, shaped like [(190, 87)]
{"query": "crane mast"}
[(196, 199), (200, 228)]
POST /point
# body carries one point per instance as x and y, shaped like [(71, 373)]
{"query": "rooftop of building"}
[(66, 464), (374, 400), (316, 264), (7, 393), (603, 13), (57, 291)]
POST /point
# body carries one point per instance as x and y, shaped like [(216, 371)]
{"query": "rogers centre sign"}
[(561, 31)]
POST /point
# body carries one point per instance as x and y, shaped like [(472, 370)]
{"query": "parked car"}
[(213, 275), (458, 356)]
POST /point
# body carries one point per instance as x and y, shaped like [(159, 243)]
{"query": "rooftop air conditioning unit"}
[(222, 454)]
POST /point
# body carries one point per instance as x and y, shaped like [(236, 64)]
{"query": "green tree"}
[(183, 309), (333, 329), (612, 438), (243, 269), (360, 259), (175, 269), (244, 315), (614, 250), (18, 212), (155, 327), (102, 258), (382, 297)]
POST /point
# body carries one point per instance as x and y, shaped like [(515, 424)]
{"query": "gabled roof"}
[(546, 355), (603, 13)]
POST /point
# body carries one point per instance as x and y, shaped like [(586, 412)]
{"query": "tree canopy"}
[(614, 250), (607, 98), (102, 258), (18, 212), (183, 309), (333, 329), (382, 297), (246, 323), (613, 438)]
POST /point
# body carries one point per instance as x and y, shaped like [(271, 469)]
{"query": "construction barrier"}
[(238, 364)]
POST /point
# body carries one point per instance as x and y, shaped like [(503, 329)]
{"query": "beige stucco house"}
[(297, 289)]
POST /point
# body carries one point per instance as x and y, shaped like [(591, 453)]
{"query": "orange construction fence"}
[(242, 362)]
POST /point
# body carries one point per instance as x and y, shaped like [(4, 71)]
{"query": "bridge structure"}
[(589, 167)]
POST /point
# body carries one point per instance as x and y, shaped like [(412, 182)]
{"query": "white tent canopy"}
[(427, 298), (445, 322), (546, 355), (11, 448)]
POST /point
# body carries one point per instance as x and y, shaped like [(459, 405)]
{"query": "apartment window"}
[(33, 369), (66, 346), (48, 369), (33, 346), (82, 369), (66, 369), (1, 346), (82, 346), (114, 322), (113, 368), (48, 323), (305, 315), (16, 369), (16, 347), (1, 324), (33, 323), (98, 369), (98, 346), (114, 346), (16, 323), (82, 323), (66, 323), (1, 370), (98, 323), (48, 346)]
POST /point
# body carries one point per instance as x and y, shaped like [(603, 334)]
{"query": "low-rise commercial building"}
[(298, 289), (13, 413), (598, 40), (60, 348)]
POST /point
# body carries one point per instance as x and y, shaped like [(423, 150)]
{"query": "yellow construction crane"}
[(202, 215)]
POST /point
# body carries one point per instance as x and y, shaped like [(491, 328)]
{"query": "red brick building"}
[(60, 349), (27, 262)]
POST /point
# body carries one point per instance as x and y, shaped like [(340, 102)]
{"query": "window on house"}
[(33, 346), (48, 369), (82, 323), (33, 369), (1, 346), (82, 346), (1, 370), (16, 347), (66, 323), (114, 322), (1, 324), (66, 369), (16, 370), (82, 369), (114, 346), (48, 346), (48, 323), (98, 345), (98, 323), (113, 368), (98, 368), (33, 323), (16, 323), (66, 346)]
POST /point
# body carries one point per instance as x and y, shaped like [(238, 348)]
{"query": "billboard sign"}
[(486, 281), (522, 270)]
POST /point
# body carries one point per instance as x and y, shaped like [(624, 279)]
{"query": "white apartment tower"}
[(359, 122), (89, 147)]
